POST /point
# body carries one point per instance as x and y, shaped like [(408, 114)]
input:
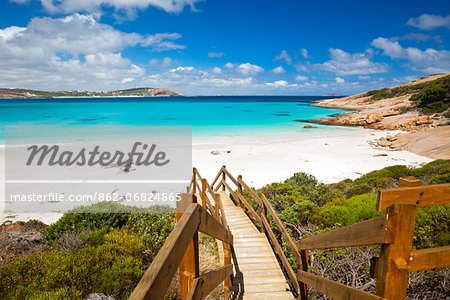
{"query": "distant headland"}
[(135, 92)]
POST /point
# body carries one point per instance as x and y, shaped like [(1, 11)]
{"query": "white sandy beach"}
[(331, 155)]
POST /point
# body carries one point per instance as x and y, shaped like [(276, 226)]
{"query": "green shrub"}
[(432, 227), (102, 215), (114, 268), (356, 209), (359, 189), (434, 97)]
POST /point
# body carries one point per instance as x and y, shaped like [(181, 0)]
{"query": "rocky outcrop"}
[(395, 112), (433, 143)]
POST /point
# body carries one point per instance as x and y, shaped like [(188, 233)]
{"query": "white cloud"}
[(343, 63), (339, 80), (278, 70), (217, 70), (418, 37), (279, 83), (215, 54), (284, 56), (304, 53), (301, 78), (183, 70), (427, 61), (429, 22), (129, 6), (390, 48), (229, 65), (248, 68), (164, 63), (72, 52)]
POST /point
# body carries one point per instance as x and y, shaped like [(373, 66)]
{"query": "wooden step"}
[(257, 274)]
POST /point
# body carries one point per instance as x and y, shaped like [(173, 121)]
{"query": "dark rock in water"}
[(218, 152), (86, 120), (281, 114), (301, 121)]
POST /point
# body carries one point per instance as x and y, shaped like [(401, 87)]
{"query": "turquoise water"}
[(207, 115)]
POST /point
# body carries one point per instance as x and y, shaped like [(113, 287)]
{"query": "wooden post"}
[(217, 207), (264, 215), (303, 295), (189, 266), (223, 178), (409, 181), (204, 193), (226, 261), (391, 269), (194, 181), (239, 190)]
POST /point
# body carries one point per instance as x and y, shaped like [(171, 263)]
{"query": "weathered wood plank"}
[(409, 181), (283, 230), (428, 195), (154, 283), (391, 270), (251, 192), (431, 258), (230, 176), (205, 284), (217, 176), (334, 289), (204, 183), (370, 232), (213, 228), (209, 202), (189, 265), (279, 251), (232, 192), (250, 208)]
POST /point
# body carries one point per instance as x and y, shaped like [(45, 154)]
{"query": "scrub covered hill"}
[(136, 92)]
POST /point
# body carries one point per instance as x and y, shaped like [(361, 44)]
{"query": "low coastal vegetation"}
[(307, 207), (101, 249), (429, 97), (98, 251)]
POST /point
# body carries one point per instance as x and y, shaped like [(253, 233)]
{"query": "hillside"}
[(414, 105), (421, 108), (136, 92)]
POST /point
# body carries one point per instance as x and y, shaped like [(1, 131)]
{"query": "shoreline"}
[(330, 155), (423, 134)]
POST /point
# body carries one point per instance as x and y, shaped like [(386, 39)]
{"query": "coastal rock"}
[(379, 155), (383, 142), (308, 126)]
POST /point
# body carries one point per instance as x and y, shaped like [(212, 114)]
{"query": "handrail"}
[(156, 280), (219, 213), (392, 231)]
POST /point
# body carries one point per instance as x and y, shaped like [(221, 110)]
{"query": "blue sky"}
[(218, 47)]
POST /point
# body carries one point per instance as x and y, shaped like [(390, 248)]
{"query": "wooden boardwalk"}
[(257, 274)]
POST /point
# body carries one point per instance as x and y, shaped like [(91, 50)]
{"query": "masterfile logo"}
[(54, 169)]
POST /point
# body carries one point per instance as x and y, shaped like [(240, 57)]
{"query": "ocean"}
[(212, 115)]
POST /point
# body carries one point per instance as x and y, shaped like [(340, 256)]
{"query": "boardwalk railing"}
[(181, 251), (393, 231)]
